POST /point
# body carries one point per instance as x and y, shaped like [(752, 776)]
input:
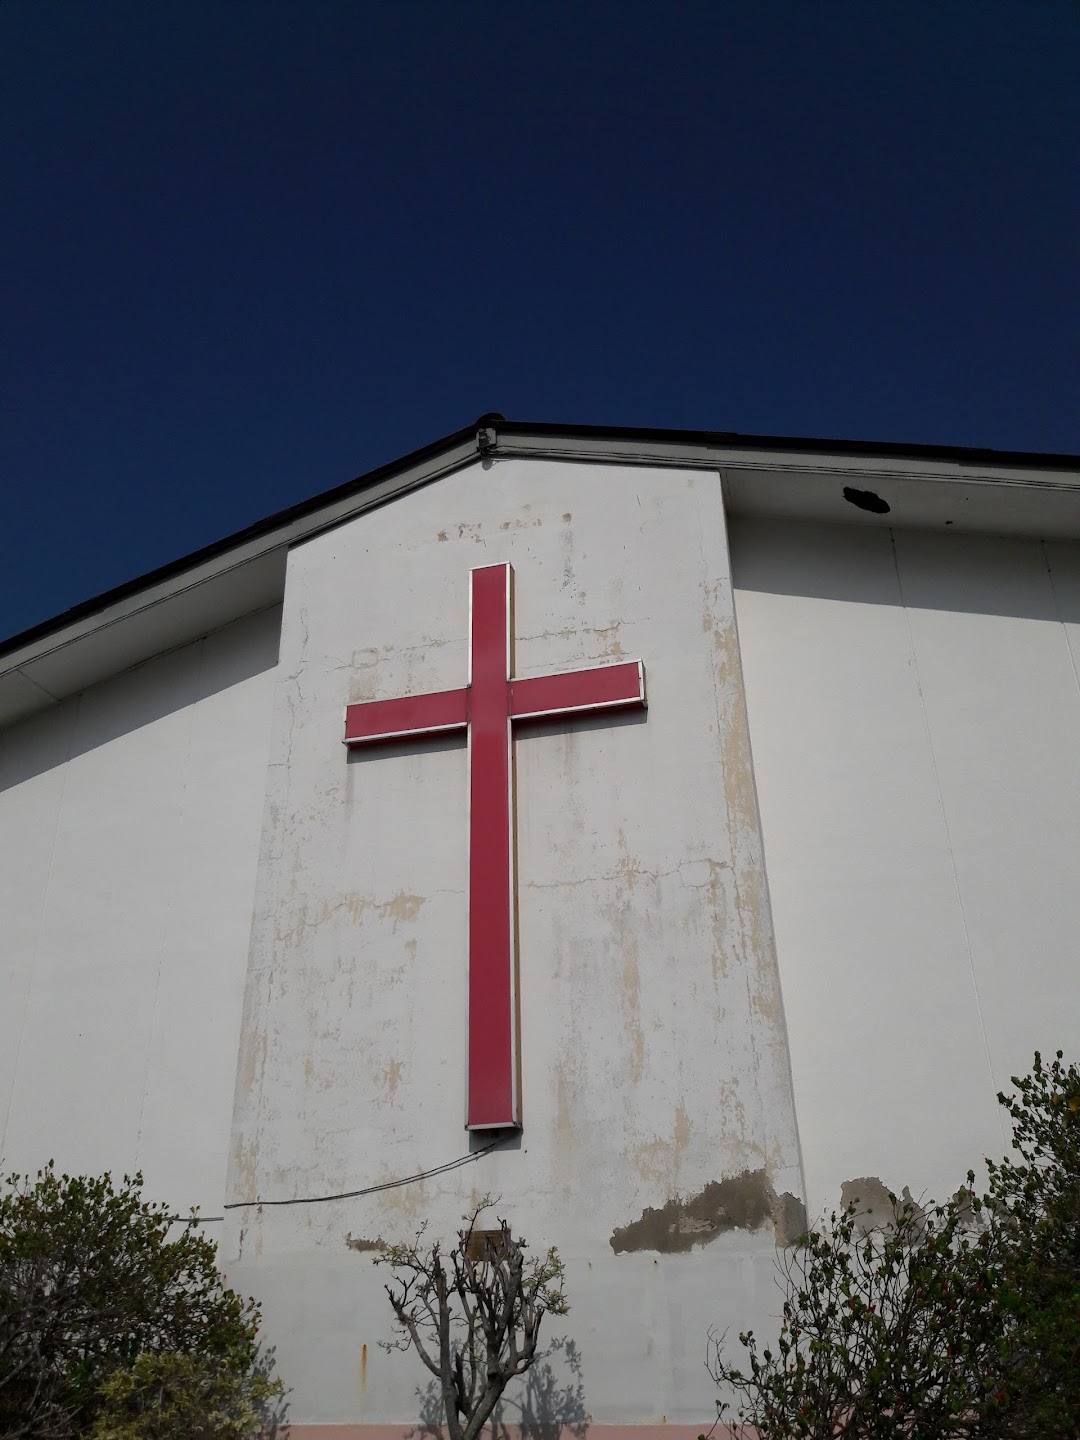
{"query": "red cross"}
[(487, 708)]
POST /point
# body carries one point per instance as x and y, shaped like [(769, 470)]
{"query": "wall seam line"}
[(945, 822), (1058, 610)]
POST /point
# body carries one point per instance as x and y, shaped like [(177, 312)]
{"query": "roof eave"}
[(245, 571)]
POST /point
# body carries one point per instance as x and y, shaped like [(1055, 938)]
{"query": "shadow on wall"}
[(1026, 578), (273, 1410), (141, 696), (542, 1408)]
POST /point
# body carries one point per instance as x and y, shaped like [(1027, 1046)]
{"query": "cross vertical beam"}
[(493, 1021)]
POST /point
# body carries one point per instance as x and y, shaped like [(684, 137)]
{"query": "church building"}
[(660, 832)]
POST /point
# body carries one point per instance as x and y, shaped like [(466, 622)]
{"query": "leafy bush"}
[(90, 1281), (1035, 1200), (184, 1397), (960, 1321)]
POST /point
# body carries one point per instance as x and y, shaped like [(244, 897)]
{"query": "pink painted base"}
[(507, 1432)]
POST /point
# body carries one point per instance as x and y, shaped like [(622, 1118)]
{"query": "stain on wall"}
[(789, 1219), (875, 1210), (357, 1242), (741, 1202)]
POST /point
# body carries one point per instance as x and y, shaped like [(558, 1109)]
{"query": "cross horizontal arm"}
[(601, 687), (376, 721)]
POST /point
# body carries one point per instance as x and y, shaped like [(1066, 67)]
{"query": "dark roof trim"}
[(879, 449), (87, 608), (718, 439)]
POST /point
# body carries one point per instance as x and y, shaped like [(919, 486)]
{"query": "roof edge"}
[(281, 519), (478, 440), (813, 445)]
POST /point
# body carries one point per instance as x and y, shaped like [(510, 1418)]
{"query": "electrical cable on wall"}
[(349, 1194)]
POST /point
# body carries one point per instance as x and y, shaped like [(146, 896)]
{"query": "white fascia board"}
[(720, 455), (965, 494)]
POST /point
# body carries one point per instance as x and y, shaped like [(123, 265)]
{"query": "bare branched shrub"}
[(472, 1315)]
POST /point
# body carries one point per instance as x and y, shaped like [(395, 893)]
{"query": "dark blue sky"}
[(253, 248)]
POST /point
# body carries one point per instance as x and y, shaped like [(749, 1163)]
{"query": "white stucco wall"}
[(653, 1045), (914, 716), (913, 711), (129, 826)]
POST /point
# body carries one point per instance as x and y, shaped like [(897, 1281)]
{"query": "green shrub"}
[(91, 1284)]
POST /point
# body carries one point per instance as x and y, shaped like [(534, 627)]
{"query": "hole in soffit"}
[(866, 500)]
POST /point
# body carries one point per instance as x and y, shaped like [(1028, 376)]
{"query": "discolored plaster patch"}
[(252, 1060), (564, 1134), (406, 1204), (245, 1157), (357, 1242), (658, 1161), (361, 689), (392, 1077), (870, 1196), (631, 1007), (748, 927), (681, 1135), (712, 878), (398, 909), (873, 1207), (608, 636), (652, 1159), (789, 1219), (741, 1202)]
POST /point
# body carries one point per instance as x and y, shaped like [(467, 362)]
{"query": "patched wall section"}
[(654, 1059)]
